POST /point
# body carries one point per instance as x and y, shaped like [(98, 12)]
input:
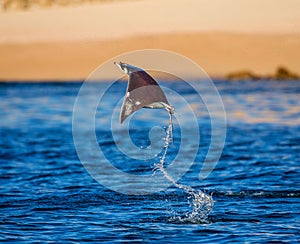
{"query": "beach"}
[(217, 53), (68, 43)]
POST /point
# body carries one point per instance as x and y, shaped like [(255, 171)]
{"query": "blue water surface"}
[(47, 195)]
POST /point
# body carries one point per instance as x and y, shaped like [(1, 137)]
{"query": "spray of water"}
[(200, 203)]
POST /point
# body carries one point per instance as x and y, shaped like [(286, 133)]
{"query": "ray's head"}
[(127, 68)]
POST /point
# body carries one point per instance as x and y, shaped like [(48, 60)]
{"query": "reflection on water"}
[(271, 102)]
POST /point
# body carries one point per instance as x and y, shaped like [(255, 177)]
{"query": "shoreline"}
[(12, 82), (218, 53)]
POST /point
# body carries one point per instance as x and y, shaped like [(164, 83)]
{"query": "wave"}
[(257, 193)]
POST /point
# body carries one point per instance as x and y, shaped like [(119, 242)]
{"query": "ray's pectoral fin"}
[(142, 92), (143, 97), (130, 105)]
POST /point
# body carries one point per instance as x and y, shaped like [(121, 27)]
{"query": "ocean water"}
[(48, 195)]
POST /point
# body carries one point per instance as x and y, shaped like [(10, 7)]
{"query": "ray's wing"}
[(142, 90)]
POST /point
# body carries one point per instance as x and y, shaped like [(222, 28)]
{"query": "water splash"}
[(200, 203)]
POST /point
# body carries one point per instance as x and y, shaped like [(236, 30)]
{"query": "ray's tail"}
[(170, 128)]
